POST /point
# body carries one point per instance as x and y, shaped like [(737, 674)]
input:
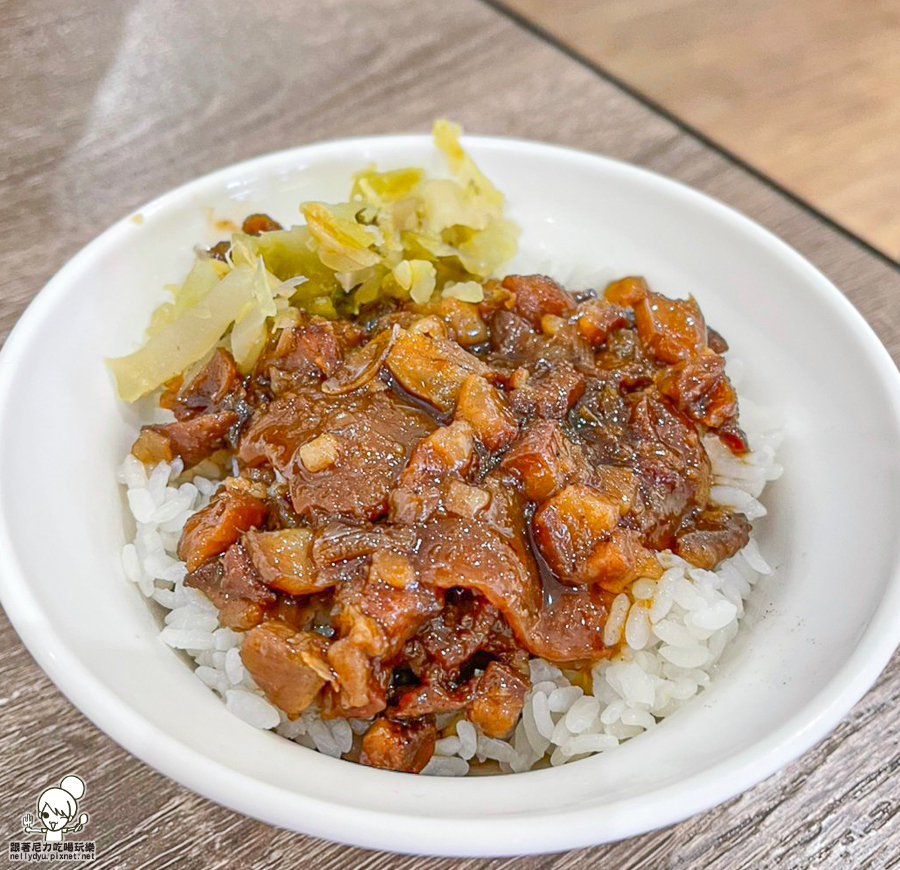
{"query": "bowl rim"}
[(498, 835)]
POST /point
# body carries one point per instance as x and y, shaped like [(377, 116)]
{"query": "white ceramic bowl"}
[(818, 631)]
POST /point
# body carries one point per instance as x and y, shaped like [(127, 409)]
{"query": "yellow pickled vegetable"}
[(341, 244), (377, 188), (401, 235), (204, 275), (446, 137), (417, 277), (465, 291), (184, 341)]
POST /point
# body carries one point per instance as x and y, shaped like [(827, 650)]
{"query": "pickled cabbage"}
[(178, 344), (204, 275), (401, 235)]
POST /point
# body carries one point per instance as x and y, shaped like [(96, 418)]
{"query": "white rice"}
[(674, 629)]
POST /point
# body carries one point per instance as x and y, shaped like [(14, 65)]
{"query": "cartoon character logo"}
[(57, 808)]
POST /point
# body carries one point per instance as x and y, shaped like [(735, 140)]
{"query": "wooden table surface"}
[(108, 105), (808, 91)]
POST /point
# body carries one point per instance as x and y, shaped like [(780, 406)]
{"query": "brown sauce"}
[(400, 541)]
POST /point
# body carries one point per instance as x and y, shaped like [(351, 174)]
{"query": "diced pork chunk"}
[(216, 527), (620, 560), (193, 439), (570, 629), (456, 553), (432, 697), (447, 450), (671, 329), (715, 340), (392, 568), (537, 296), (310, 349), (241, 578), (240, 604), (462, 500), (712, 537), (627, 292), (375, 619), (320, 453), (498, 700), (699, 387), (288, 665), (210, 385), (398, 611), (459, 631), (433, 369), (671, 464), (463, 320), (597, 319), (446, 453), (733, 437), (220, 250), (511, 335), (481, 405), (151, 447), (549, 394), (619, 485), (372, 436), (360, 682), (260, 223), (284, 561), (569, 527), (543, 460), (403, 746)]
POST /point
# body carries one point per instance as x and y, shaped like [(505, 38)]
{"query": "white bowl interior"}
[(816, 634)]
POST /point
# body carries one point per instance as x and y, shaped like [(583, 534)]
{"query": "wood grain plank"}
[(805, 91), (108, 107)]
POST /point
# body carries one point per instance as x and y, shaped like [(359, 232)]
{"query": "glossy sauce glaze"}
[(430, 495)]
